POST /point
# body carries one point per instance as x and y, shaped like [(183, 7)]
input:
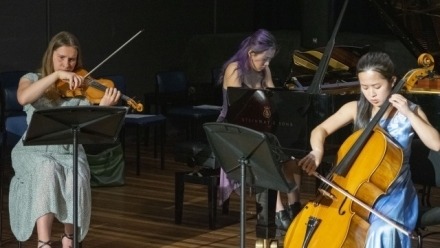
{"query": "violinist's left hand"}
[(400, 103), (111, 97)]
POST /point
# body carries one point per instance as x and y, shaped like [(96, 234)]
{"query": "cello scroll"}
[(426, 61)]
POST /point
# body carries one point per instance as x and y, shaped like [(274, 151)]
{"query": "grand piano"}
[(322, 80)]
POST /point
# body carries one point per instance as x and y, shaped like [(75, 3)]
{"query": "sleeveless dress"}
[(226, 185), (43, 180), (401, 203)]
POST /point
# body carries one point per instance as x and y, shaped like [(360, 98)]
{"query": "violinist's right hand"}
[(74, 80), (310, 162)]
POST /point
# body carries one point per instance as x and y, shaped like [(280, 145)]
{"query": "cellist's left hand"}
[(400, 103), (111, 97)]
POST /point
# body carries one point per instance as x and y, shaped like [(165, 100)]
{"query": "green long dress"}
[(43, 180)]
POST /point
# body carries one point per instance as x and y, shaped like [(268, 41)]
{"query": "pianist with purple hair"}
[(249, 68)]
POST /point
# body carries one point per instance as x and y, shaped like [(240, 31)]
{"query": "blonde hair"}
[(61, 39)]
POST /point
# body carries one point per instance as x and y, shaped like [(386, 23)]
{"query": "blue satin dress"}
[(401, 203)]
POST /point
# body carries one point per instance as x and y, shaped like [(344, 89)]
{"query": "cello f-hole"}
[(341, 211)]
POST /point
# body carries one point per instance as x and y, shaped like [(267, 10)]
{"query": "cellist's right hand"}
[(310, 162)]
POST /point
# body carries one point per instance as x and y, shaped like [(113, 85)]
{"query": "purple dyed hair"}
[(259, 42)]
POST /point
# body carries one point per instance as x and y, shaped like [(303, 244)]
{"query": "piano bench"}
[(196, 154)]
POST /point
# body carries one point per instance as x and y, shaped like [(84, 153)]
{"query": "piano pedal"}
[(266, 243)]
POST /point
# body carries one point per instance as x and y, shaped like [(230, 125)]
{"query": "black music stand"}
[(246, 156), (75, 125)]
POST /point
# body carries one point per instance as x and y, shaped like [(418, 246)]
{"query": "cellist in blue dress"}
[(402, 121)]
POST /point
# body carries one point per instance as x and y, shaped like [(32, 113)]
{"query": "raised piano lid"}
[(415, 23), (341, 69)]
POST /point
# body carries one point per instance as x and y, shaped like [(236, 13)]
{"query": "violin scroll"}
[(135, 105)]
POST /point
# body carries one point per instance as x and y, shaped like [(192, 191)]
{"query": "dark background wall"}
[(192, 35)]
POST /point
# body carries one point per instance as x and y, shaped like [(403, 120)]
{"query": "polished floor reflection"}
[(141, 213)]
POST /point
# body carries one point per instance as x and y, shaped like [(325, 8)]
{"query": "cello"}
[(338, 217)]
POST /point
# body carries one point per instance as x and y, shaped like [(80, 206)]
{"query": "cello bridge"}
[(327, 194)]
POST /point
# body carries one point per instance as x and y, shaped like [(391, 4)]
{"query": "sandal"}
[(43, 244), (68, 236)]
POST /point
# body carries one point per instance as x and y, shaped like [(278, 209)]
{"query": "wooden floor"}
[(141, 213)]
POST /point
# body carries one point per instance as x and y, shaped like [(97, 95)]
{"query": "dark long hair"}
[(373, 61), (259, 42)]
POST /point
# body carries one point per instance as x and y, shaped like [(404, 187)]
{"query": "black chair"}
[(13, 123), (174, 99), (13, 118), (205, 172), (10, 107), (425, 172), (428, 217), (140, 122)]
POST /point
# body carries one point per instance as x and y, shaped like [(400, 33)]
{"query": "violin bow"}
[(112, 54)]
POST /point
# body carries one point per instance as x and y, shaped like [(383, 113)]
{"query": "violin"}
[(339, 216), (93, 90)]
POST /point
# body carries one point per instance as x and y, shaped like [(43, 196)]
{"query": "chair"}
[(173, 99), (425, 171), (10, 106), (13, 123), (141, 121), (205, 173), (428, 216)]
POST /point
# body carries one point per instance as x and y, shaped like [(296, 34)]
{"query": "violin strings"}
[(102, 87)]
